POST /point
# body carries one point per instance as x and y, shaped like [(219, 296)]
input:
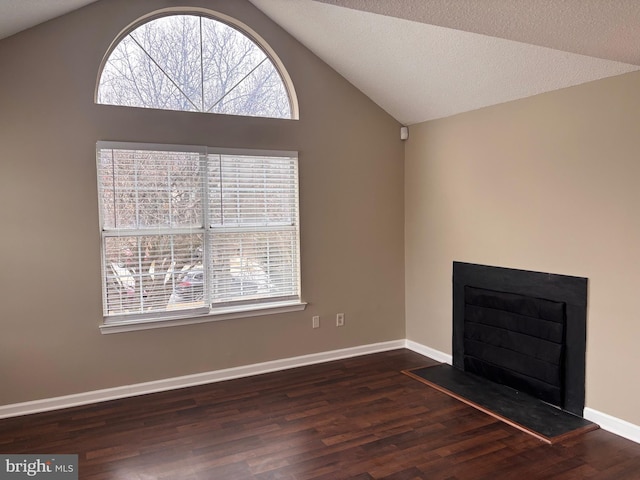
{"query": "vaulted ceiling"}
[(426, 59)]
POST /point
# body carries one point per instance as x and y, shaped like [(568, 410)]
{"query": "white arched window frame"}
[(189, 233), (195, 60)]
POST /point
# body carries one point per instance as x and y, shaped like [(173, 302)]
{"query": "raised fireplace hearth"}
[(522, 329)]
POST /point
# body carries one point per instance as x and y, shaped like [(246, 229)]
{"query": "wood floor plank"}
[(357, 419)]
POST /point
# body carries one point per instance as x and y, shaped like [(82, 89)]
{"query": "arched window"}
[(191, 62), (195, 233)]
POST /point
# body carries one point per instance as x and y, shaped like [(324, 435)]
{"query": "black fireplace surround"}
[(523, 329)]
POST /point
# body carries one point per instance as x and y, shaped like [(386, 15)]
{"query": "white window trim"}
[(119, 324), (203, 149), (198, 316)]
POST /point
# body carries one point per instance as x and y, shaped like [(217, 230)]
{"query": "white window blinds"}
[(194, 228), (253, 215)]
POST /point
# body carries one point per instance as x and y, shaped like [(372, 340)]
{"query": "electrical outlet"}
[(315, 321), (340, 320)]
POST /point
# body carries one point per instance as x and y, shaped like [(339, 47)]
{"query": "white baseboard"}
[(437, 355), (56, 403), (607, 422), (615, 425)]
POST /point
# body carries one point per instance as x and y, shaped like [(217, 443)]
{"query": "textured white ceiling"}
[(599, 28), (18, 15), (419, 72)]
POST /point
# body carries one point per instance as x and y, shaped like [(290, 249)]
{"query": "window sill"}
[(244, 311)]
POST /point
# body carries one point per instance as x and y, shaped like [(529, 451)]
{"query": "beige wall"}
[(549, 183), (351, 184)]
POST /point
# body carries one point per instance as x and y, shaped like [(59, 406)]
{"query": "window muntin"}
[(191, 62), (194, 229)]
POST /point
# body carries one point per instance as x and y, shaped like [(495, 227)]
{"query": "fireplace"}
[(523, 329)]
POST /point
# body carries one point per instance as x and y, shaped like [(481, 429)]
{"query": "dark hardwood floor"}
[(358, 419)]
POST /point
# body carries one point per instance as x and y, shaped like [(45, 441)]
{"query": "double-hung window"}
[(196, 231)]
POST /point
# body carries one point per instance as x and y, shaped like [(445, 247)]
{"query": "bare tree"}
[(193, 63)]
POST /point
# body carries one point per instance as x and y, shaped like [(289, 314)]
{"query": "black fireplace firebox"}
[(523, 329)]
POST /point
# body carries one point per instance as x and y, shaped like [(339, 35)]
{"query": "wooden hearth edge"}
[(549, 440)]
